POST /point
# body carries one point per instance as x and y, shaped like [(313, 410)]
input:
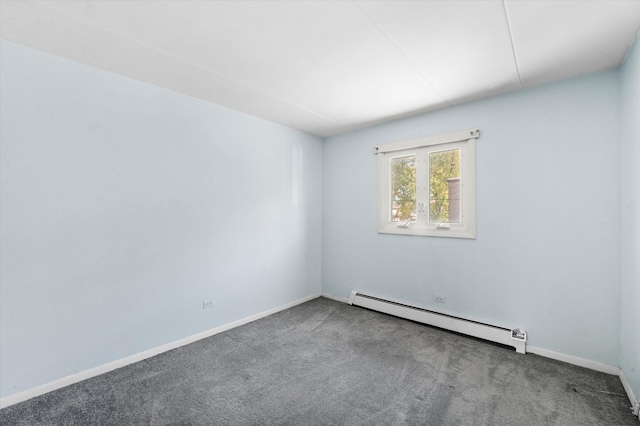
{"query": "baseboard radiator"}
[(506, 336)]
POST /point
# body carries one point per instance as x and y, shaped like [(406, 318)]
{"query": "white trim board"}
[(122, 362), (105, 368), (569, 359), (336, 298), (592, 365), (635, 405)]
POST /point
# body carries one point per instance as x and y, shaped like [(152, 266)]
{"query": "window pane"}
[(403, 188), (444, 186)]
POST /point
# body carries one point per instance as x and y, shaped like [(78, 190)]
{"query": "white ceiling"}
[(327, 67)]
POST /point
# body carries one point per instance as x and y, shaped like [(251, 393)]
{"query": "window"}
[(427, 186)]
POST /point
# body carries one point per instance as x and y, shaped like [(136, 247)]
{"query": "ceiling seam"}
[(401, 52), (513, 45), (333, 120)]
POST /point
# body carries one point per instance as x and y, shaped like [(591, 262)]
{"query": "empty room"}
[(319, 212)]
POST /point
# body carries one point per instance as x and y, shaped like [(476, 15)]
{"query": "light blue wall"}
[(547, 255), (630, 300), (125, 205)]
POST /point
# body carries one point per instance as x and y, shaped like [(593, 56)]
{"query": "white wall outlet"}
[(439, 299), (207, 304)]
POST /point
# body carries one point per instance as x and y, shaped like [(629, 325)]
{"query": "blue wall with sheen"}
[(630, 190), (547, 253), (125, 205)]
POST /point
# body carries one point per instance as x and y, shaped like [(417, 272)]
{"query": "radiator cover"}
[(506, 336)]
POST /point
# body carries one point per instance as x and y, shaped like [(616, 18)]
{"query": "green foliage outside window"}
[(403, 193), (443, 165)]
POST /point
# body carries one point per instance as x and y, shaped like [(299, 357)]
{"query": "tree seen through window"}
[(444, 186), (403, 192)]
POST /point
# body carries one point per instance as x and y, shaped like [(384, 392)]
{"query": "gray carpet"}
[(328, 363)]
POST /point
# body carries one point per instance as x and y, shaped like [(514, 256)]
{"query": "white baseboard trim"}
[(105, 368), (336, 298), (592, 365), (635, 405), (570, 359)]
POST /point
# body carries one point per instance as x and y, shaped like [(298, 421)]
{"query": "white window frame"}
[(422, 147)]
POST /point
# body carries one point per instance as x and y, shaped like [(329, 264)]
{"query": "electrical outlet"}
[(439, 299), (207, 304)]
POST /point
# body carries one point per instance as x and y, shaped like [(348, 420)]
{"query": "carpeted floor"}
[(328, 363)]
